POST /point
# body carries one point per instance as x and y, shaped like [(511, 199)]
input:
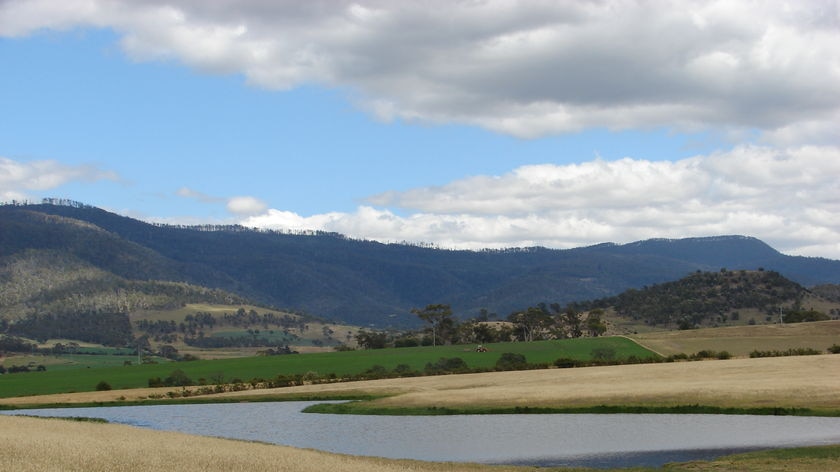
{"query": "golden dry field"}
[(741, 340), (38, 445)]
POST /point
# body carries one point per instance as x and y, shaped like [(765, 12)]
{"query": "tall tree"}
[(532, 322), (436, 315)]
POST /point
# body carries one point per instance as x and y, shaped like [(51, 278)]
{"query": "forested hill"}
[(722, 297), (365, 282)]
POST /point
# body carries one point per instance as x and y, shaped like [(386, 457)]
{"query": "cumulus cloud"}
[(239, 206), (786, 197), (18, 179), (244, 206), (523, 68)]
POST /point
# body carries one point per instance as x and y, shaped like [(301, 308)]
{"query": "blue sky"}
[(488, 125)]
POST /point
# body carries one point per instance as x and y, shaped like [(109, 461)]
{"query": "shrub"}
[(565, 363), (447, 366), (405, 370), (800, 351), (178, 378), (603, 354), (511, 361), (103, 386), (834, 349)]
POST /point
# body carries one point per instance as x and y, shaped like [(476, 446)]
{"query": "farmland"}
[(339, 363)]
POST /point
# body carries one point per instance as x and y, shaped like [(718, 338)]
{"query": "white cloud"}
[(239, 206), (245, 206), (528, 69), (787, 198), (18, 179)]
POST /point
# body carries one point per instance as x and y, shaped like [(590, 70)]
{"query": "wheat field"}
[(741, 340), (41, 445)]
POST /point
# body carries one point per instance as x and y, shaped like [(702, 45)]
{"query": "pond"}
[(614, 440)]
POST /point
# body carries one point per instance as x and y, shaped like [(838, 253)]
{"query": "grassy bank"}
[(35, 445), (362, 407)]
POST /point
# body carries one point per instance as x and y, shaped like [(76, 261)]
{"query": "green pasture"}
[(340, 363)]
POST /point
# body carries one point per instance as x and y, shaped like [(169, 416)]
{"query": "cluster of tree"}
[(178, 378), (195, 324), (15, 369), (800, 316), (16, 344), (799, 351), (251, 318), (534, 323), (232, 341), (278, 351), (107, 328)]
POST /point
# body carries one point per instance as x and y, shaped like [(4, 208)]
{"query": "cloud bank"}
[(524, 68), (788, 198), (532, 69)]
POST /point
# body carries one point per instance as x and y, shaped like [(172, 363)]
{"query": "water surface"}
[(547, 439)]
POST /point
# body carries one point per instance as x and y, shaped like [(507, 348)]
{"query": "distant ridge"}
[(366, 282)]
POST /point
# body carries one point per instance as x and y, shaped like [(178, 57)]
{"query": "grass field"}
[(341, 363)]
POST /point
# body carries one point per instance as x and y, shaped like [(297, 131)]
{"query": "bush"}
[(178, 378), (405, 370), (565, 363), (800, 351), (834, 349), (103, 386), (511, 361), (603, 354), (447, 366)]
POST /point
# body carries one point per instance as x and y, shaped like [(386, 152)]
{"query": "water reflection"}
[(548, 440)]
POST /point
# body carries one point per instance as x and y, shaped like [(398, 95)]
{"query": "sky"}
[(462, 124)]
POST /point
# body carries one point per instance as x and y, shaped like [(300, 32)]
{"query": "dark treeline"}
[(109, 329)]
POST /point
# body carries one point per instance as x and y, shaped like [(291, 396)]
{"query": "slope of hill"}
[(365, 282)]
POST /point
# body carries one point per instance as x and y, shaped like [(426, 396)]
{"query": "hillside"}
[(712, 298), (365, 282)]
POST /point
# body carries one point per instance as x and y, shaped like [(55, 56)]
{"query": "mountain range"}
[(357, 281)]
